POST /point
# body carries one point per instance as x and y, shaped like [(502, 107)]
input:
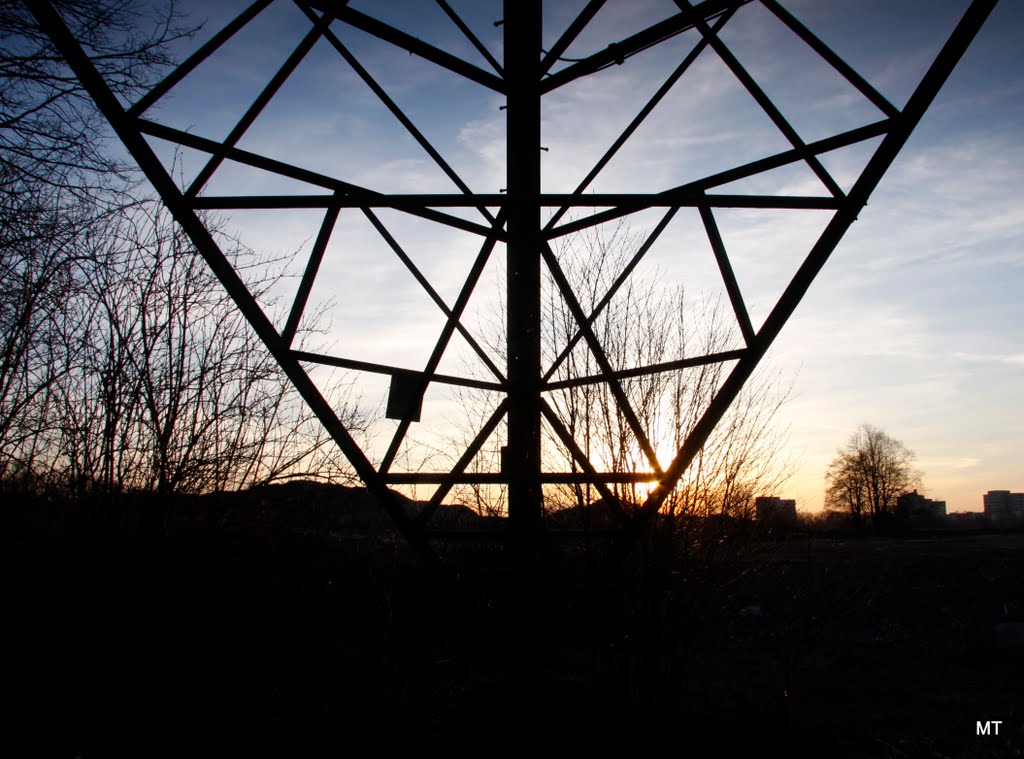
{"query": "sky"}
[(914, 325)]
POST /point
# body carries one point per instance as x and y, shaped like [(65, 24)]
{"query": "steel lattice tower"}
[(527, 74)]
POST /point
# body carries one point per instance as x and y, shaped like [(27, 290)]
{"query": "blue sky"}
[(915, 324)]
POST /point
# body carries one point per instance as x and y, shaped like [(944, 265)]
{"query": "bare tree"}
[(43, 247), (670, 580), (50, 133), (123, 364), (647, 323), (59, 189), (869, 474), (172, 392)]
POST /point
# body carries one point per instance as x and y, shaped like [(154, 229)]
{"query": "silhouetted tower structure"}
[(527, 74), (523, 460)]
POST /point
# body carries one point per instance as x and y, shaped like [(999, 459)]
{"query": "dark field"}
[(222, 638)]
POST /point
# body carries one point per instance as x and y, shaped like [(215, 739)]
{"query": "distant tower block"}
[(522, 217), (775, 511), (921, 510), (1003, 507)]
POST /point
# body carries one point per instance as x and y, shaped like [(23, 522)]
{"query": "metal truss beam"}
[(411, 44), (855, 201), (625, 203), (523, 465), (618, 52), (497, 478), (513, 218)]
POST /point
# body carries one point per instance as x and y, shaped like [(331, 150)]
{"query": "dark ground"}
[(217, 638)]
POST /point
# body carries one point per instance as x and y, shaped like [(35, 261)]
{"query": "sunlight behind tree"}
[(649, 321)]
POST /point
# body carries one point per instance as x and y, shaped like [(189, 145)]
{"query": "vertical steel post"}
[(522, 75)]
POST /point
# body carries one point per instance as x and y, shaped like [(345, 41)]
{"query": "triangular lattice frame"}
[(513, 217)]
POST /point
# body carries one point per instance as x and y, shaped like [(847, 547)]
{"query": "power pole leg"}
[(522, 73)]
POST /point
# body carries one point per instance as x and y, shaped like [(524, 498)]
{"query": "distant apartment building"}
[(920, 509), (1004, 507), (772, 510)]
